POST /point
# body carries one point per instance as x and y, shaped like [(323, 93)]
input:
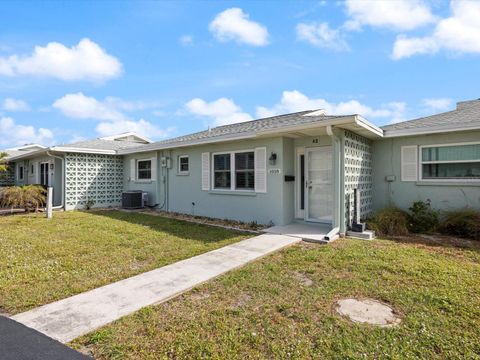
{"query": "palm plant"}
[(28, 197), (3, 162)]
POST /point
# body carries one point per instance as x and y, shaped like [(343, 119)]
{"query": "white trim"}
[(83, 150), (179, 171), (299, 213), (443, 180), (232, 170), (426, 131)]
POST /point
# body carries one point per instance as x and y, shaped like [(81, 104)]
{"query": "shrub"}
[(389, 221), (28, 197), (422, 218), (464, 223)]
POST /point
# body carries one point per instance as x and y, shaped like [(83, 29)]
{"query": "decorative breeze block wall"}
[(98, 178), (358, 174), (7, 178)]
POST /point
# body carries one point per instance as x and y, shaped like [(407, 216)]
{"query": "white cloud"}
[(14, 134), (437, 104), (394, 14), (141, 126), (459, 33), (223, 111), (234, 24), (186, 40), (84, 61), (10, 104), (79, 106), (294, 101), (321, 35), (111, 112)]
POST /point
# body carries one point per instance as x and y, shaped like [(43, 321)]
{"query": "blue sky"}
[(84, 69)]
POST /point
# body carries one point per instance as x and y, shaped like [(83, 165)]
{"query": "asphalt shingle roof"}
[(104, 144), (247, 127), (466, 115)]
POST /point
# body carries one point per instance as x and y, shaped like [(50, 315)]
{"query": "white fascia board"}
[(361, 121), (83, 150), (430, 130), (26, 155), (278, 131)]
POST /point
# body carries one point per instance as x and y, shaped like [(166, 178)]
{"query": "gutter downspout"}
[(61, 206)]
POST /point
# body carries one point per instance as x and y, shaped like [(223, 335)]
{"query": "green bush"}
[(389, 221), (422, 218), (464, 223)]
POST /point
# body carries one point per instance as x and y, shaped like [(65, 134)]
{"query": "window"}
[(20, 172), (451, 162), (234, 171), (32, 169), (221, 171), (183, 166), (244, 171), (144, 169)]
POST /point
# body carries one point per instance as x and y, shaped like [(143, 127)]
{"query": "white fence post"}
[(49, 202)]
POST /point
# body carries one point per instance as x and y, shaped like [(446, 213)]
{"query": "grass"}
[(282, 307), (42, 261)]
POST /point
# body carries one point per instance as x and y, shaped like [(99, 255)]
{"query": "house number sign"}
[(274, 171)]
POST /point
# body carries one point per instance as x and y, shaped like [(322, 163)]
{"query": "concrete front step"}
[(366, 235)]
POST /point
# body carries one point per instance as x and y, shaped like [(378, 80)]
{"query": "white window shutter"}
[(154, 169), (133, 169), (261, 170), (409, 166), (206, 171)]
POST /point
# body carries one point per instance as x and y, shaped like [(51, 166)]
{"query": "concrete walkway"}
[(66, 319)]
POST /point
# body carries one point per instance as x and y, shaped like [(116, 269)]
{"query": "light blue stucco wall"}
[(149, 186), (443, 195), (183, 190)]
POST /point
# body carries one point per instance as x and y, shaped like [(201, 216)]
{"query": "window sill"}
[(183, 174), (233, 192), (143, 181), (447, 183)]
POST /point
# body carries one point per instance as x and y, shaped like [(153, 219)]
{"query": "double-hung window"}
[(450, 162), (222, 178), (183, 166), (234, 171), (144, 169), (244, 171)]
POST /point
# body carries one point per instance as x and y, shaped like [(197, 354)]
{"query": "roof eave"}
[(426, 131), (83, 150)]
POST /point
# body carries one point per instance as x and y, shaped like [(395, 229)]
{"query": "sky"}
[(75, 70)]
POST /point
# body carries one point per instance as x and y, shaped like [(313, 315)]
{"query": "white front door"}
[(318, 183)]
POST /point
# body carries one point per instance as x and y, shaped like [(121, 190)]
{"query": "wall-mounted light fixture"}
[(51, 166), (273, 158)]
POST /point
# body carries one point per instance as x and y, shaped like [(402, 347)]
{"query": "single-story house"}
[(303, 166)]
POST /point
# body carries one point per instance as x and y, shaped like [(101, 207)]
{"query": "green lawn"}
[(45, 260), (281, 307)]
